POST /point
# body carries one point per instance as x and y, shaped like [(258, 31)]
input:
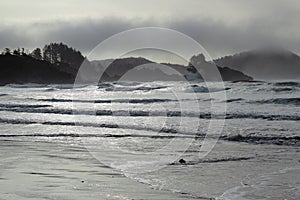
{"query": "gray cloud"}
[(218, 37)]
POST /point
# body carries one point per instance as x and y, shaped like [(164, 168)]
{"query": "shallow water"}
[(124, 140)]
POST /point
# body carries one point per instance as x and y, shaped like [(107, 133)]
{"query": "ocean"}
[(133, 140)]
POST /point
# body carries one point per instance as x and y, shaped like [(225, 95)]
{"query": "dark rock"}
[(182, 161)]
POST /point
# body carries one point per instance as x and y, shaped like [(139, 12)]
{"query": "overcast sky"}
[(222, 27)]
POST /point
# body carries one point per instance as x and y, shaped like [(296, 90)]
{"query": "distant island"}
[(264, 64), (153, 71), (58, 63)]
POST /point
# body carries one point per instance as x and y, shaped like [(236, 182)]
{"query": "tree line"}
[(54, 53)]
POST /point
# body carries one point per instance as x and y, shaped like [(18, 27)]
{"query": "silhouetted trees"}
[(55, 53), (37, 54), (61, 53), (17, 52), (25, 52), (6, 51)]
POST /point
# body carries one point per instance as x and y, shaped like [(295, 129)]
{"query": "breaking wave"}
[(202, 89), (29, 85), (285, 101), (288, 83), (234, 100), (285, 89), (24, 106), (142, 101), (103, 125), (141, 88), (278, 140), (74, 135), (104, 85), (68, 86), (127, 83), (171, 133), (143, 113)]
